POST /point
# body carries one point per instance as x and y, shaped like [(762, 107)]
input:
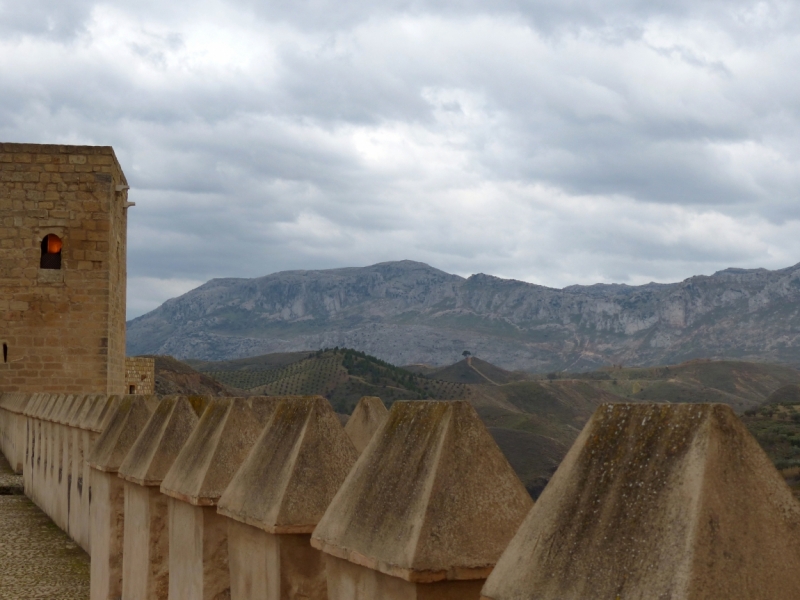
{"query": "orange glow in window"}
[(53, 244)]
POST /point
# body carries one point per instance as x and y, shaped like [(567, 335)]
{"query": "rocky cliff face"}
[(406, 312)]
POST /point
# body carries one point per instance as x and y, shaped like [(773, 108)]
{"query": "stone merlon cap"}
[(431, 499), (33, 405), (64, 409), (15, 402), (89, 409), (54, 414), (658, 501), (127, 422), (293, 470), (221, 441), (101, 413), (162, 438), (369, 415), (76, 409), (47, 407)]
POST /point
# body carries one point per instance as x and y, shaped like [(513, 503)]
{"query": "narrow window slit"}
[(51, 252)]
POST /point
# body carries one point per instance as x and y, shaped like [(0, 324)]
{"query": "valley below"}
[(533, 418)]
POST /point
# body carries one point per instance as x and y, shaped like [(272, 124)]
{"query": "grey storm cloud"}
[(558, 142)]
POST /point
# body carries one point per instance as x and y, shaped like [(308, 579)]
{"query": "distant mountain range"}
[(408, 312)]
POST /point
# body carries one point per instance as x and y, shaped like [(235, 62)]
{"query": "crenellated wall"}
[(271, 498), (47, 437)]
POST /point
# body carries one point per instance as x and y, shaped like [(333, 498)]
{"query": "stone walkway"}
[(37, 559)]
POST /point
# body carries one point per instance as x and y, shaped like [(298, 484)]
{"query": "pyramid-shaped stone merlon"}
[(125, 425), (162, 439), (293, 471), (107, 457), (369, 415), (432, 499), (213, 453), (654, 501)]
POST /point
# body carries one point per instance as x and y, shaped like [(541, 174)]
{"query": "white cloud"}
[(565, 143), (147, 293)]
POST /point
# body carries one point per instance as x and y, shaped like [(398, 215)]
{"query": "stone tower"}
[(63, 236)]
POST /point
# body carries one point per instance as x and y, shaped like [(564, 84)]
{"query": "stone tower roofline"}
[(17, 148)]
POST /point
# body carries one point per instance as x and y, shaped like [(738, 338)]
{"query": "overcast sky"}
[(554, 141)]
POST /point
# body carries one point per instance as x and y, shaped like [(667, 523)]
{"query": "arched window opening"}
[(51, 252), (5, 352)]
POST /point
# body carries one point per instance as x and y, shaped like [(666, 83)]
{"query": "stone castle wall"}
[(63, 329), (140, 375), (185, 497)]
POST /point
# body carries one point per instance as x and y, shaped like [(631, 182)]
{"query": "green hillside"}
[(265, 362), (742, 385), (534, 421), (341, 375), (776, 426)]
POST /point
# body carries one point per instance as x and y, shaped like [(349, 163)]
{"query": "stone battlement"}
[(190, 497)]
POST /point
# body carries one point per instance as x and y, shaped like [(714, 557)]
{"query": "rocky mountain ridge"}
[(407, 312)]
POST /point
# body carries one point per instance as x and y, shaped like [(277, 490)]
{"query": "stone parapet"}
[(279, 495), (432, 499), (109, 513), (187, 498), (58, 432), (162, 439), (144, 552), (658, 501), (216, 448)]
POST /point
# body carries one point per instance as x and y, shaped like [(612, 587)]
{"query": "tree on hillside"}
[(466, 353)]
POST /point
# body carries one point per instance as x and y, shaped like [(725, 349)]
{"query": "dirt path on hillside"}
[(471, 366)]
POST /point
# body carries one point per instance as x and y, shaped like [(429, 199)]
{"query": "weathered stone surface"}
[(433, 498), (293, 471), (121, 433), (266, 566), (198, 552), (100, 414), (106, 531), (349, 581), (657, 501), (216, 448), (89, 410), (162, 439), (145, 556), (76, 410), (368, 416), (14, 402)]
